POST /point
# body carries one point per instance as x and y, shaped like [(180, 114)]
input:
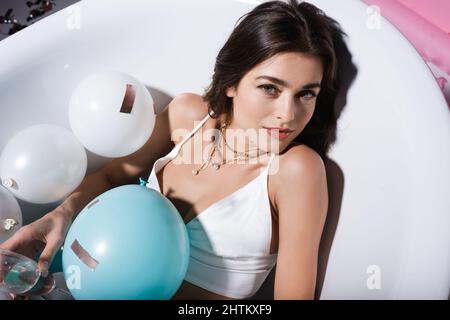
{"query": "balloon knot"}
[(8, 224), (142, 182)]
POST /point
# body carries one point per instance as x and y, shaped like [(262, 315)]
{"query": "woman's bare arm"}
[(302, 202)]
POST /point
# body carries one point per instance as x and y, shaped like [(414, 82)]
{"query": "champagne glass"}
[(21, 275)]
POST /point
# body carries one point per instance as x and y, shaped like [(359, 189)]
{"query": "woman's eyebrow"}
[(285, 84)]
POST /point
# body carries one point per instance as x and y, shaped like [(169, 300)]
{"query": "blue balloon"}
[(56, 265), (128, 243)]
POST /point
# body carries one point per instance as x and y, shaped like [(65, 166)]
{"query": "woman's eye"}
[(267, 88), (307, 95)]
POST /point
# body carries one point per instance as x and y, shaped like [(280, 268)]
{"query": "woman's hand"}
[(42, 237)]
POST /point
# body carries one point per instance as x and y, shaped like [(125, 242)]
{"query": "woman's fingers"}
[(53, 244), (16, 241)]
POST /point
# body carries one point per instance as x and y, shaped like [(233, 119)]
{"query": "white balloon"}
[(112, 114), (43, 164), (10, 215)]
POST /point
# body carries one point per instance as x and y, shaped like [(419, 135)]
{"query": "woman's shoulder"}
[(187, 110), (297, 163), (190, 107), (290, 170), (298, 156), (300, 168)]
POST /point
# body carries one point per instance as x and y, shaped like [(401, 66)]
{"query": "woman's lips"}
[(276, 133)]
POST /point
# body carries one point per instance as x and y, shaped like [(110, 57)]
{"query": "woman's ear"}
[(230, 92)]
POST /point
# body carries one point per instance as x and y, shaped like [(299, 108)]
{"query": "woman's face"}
[(289, 102)]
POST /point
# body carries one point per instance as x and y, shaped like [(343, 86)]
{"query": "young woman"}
[(248, 205)]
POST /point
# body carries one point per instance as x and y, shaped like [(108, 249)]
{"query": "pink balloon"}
[(432, 43), (435, 11)]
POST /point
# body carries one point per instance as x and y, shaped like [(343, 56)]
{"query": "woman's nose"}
[(286, 110)]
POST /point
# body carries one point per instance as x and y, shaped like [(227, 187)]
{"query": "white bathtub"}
[(387, 233)]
